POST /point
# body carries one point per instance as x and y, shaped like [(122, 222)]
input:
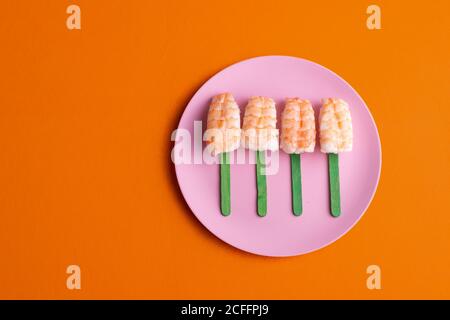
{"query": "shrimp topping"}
[(259, 132), (336, 133), (298, 128), (223, 131)]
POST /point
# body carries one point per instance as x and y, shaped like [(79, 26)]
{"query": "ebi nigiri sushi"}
[(298, 135), (223, 136), (259, 133), (336, 135)]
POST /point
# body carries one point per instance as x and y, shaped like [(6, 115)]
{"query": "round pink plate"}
[(280, 233)]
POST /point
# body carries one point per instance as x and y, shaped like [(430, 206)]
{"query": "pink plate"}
[(280, 233)]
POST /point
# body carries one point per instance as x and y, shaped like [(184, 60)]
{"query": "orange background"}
[(85, 170)]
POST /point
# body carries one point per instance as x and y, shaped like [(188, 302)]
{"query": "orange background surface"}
[(85, 170)]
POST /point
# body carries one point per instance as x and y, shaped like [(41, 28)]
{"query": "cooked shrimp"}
[(336, 133), (259, 130), (223, 132), (298, 128)]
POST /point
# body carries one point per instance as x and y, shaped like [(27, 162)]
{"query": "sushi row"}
[(298, 135)]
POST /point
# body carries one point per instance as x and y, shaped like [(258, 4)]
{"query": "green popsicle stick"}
[(335, 194), (296, 179), (225, 202), (261, 183)]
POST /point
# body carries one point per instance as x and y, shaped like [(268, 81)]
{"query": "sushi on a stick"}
[(223, 136), (336, 136), (259, 133), (298, 135)]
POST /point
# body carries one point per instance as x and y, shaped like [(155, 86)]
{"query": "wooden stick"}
[(261, 183), (225, 202), (296, 179), (335, 194)]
